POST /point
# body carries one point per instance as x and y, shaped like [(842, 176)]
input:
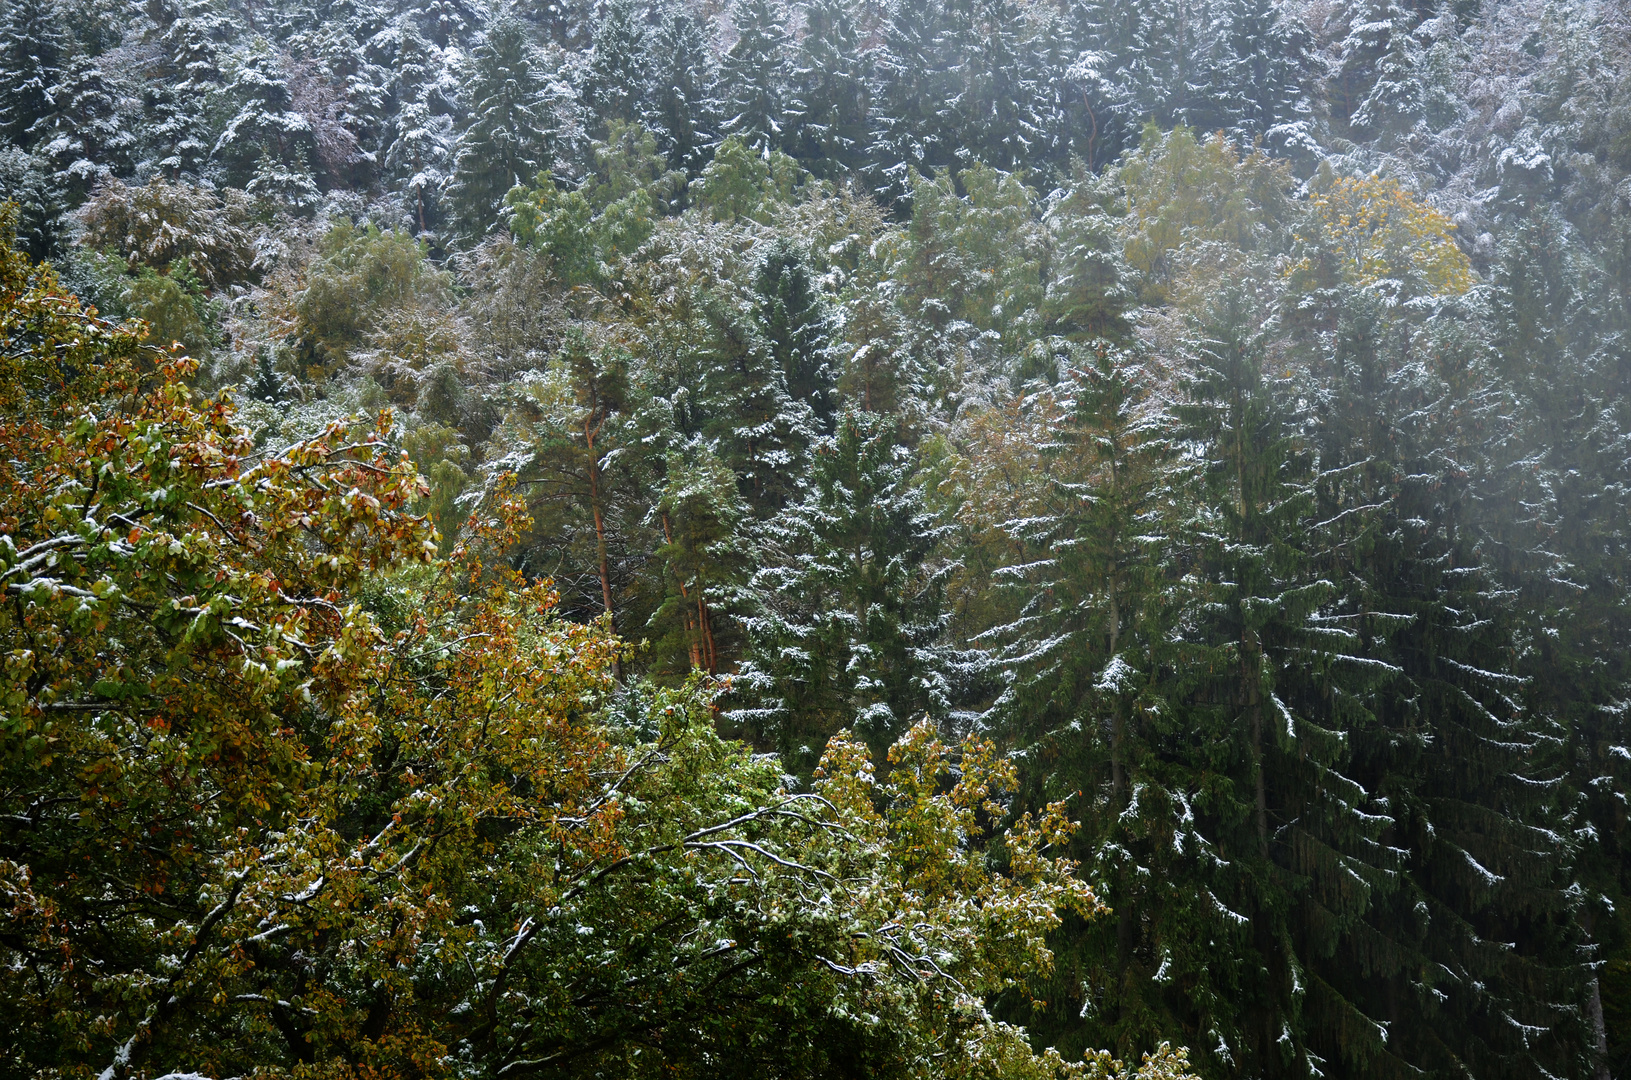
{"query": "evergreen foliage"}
[(854, 615), (508, 137), (1217, 407), (33, 54)]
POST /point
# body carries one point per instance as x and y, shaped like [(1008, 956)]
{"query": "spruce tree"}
[(1166, 60), (1283, 685), (1555, 527), (1269, 64), (1088, 290), (508, 136), (267, 145), (1096, 670), (753, 76), (828, 99), (796, 322), (26, 180), (33, 58), (684, 115), (619, 80), (747, 412), (178, 137), (999, 114), (83, 136), (910, 128), (419, 157), (852, 620), (1371, 51), (1446, 748)]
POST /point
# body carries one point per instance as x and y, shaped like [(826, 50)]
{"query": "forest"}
[(815, 539)]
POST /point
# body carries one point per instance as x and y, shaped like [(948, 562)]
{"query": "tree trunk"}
[(1594, 1014), (693, 635), (600, 524)]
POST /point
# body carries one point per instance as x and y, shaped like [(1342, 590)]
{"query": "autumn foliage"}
[(288, 791)]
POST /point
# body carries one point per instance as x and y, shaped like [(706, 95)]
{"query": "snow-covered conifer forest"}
[(815, 539)]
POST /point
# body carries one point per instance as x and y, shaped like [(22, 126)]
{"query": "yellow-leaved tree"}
[(1374, 234), (286, 792)]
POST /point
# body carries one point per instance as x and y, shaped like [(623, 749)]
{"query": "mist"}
[(1139, 492)]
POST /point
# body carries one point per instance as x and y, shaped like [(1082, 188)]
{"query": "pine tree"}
[(705, 559), (193, 42), (571, 428), (753, 76), (853, 614), (33, 58)]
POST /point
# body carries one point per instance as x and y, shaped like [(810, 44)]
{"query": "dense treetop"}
[(950, 538)]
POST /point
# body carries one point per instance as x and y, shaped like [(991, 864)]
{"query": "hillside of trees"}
[(967, 539)]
